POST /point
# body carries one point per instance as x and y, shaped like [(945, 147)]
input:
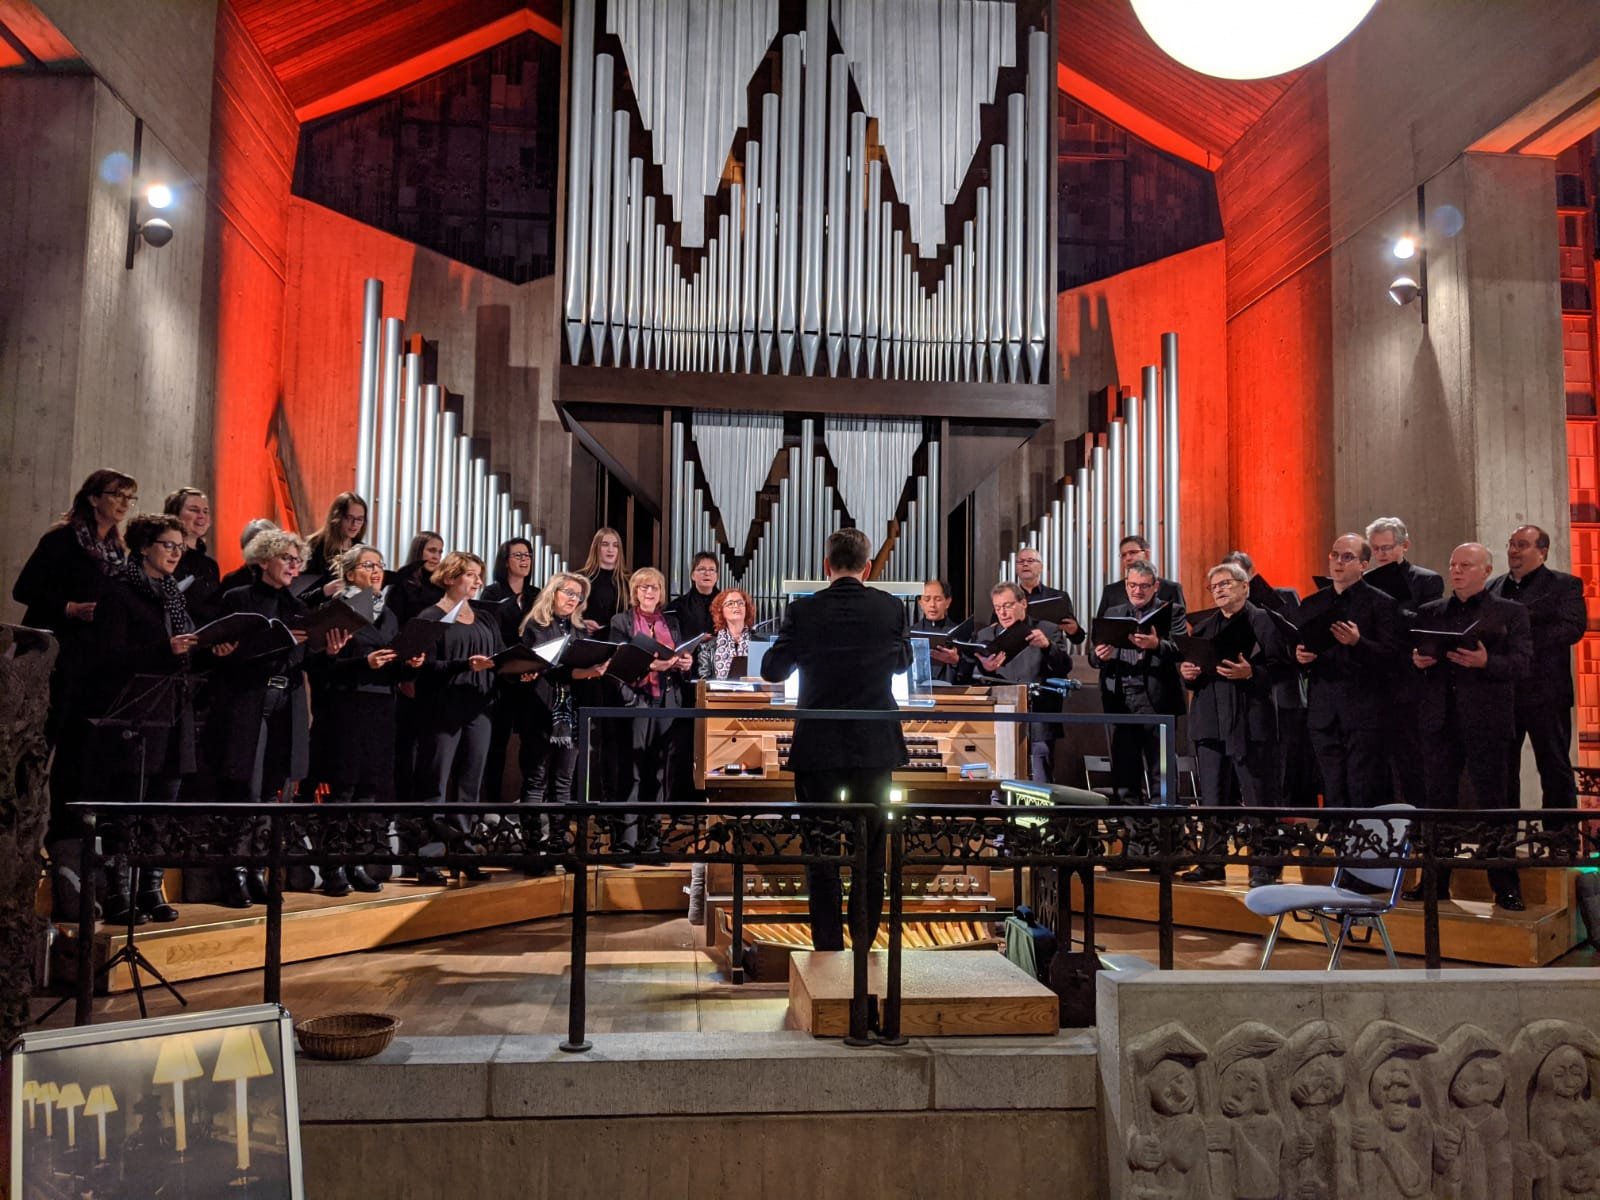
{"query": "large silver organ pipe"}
[(798, 267), (367, 412), (389, 442), (428, 485), (405, 520), (1127, 483)]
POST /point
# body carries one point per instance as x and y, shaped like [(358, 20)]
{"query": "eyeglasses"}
[(1140, 587), (369, 565), (570, 593), (1223, 585), (522, 555), (125, 497), (1006, 605), (733, 604), (1029, 562), (647, 587), (170, 547), (1346, 557), (291, 560)]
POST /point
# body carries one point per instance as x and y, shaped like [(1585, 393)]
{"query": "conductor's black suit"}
[(848, 641)]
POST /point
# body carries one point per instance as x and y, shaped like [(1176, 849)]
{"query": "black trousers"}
[(1299, 777), (547, 769), (1228, 780), (1355, 765), (1135, 749), (1451, 750), (446, 752), (1405, 754), (1549, 728), (822, 879), (502, 720)]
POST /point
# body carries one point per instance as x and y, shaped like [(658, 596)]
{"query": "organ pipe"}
[(367, 410), (389, 433), (1169, 431)]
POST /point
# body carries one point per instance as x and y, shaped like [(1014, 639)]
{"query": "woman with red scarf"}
[(653, 743)]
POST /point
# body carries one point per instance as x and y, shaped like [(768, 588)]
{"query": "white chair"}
[(1336, 902)]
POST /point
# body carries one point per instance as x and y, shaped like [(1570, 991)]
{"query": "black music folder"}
[(256, 634), (1116, 631), (1264, 595), (1392, 580), (1055, 609), (417, 636), (1312, 626), (1010, 642), (586, 652), (1216, 639), (950, 637), (1437, 643), (518, 659), (337, 613)]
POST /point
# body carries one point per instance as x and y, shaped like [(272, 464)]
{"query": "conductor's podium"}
[(957, 752)]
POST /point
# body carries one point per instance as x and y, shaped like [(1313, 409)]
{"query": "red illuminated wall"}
[(253, 138), (1109, 330)]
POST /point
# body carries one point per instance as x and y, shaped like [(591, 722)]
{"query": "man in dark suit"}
[(1411, 587), (1142, 679), (1557, 617), (1030, 577), (1468, 701), (1349, 682), (934, 604), (1044, 655), (1232, 719), (1130, 550), (848, 642)]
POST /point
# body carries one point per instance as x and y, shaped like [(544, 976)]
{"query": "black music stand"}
[(147, 709)]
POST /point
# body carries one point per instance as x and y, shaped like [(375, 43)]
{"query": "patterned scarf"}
[(563, 714), (108, 552), (726, 649), (166, 590), (353, 592), (653, 625)]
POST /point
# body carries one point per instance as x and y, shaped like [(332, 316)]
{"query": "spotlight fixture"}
[(1404, 290), (1405, 247), (157, 231), (158, 195)]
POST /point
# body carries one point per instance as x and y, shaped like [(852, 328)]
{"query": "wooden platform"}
[(943, 995), (1471, 928), (208, 939)]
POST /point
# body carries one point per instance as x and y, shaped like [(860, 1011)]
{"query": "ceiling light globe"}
[(1248, 39)]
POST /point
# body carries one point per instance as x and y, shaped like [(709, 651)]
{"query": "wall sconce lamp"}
[(1411, 286), (154, 231)]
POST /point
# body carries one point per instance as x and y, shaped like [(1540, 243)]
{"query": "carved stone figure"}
[(1318, 1160), (1394, 1140), (1472, 1150), (1247, 1144), (1556, 1063), (1167, 1139)]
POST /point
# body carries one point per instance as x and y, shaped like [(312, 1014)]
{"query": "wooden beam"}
[(1132, 118)]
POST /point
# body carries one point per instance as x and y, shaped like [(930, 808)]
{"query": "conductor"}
[(848, 641)]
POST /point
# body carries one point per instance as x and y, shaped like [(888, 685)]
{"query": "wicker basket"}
[(346, 1036)]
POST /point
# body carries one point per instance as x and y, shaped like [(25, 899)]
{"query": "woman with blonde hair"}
[(345, 526), (606, 569), (545, 712), (653, 744)]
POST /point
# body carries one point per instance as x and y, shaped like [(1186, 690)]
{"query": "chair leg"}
[(1338, 946), (1272, 940), (1322, 928), (1388, 946)]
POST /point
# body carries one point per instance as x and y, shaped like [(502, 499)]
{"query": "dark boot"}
[(235, 890), (362, 882), (119, 908), (150, 900), (334, 882), (256, 882)]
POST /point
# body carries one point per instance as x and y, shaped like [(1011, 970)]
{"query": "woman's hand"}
[(300, 636), (81, 610), (527, 677), (591, 626), (684, 662), (480, 662), (183, 643), (333, 587), (662, 664), (379, 659), (416, 663), (223, 649), (337, 640), (1189, 670), (589, 672)]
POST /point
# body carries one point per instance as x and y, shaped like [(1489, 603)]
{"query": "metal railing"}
[(1161, 837)]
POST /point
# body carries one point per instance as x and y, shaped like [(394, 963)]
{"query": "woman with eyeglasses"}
[(732, 614), (346, 523), (59, 586), (143, 634), (258, 733), (512, 594), (197, 574), (546, 712), (352, 706), (454, 694), (654, 740)]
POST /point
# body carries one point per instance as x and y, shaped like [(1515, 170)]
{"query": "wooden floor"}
[(648, 972)]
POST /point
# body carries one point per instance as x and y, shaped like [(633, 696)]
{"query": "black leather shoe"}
[(1204, 875), (256, 882), (362, 882), (1510, 901), (154, 905), (1415, 895), (1263, 878), (235, 892), (474, 874), (119, 908), (334, 882), (431, 877)]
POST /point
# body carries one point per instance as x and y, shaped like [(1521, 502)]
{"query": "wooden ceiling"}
[(1102, 43), (330, 55)]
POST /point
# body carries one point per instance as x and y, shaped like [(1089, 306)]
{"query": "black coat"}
[(510, 615), (1031, 664), (450, 694), (672, 682), (1557, 618), (848, 641), (409, 590), (1485, 697), (58, 571), (533, 701), (1283, 670), (1168, 591), (693, 612), (239, 693), (203, 592), (1158, 667), (352, 734), (1353, 686), (606, 597), (1044, 592), (1238, 711)]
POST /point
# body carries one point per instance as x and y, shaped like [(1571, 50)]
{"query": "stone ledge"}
[(671, 1074)]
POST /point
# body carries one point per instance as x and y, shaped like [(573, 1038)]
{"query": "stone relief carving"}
[(1167, 1141), (1309, 1114)]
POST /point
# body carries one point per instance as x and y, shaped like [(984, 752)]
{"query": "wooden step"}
[(942, 995), (1471, 928)]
